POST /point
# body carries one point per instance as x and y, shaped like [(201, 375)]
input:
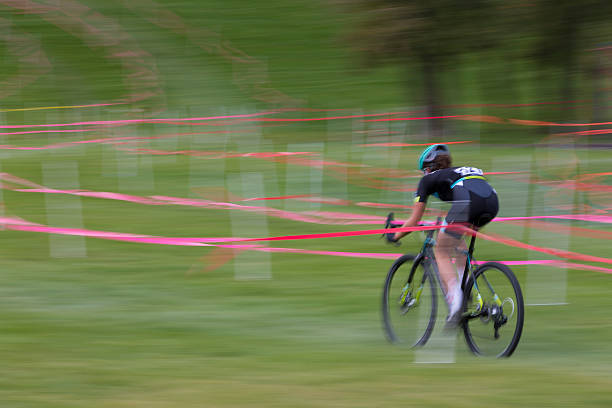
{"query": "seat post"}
[(468, 260), (472, 243)]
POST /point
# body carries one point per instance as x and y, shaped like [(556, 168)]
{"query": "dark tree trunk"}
[(431, 94), (569, 42)]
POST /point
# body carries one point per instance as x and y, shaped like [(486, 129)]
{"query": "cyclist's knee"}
[(447, 241)]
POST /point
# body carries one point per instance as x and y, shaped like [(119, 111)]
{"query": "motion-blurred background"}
[(138, 136)]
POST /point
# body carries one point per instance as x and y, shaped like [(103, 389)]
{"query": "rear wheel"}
[(494, 311), (409, 303)]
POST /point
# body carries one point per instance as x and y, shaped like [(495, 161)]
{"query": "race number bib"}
[(468, 171)]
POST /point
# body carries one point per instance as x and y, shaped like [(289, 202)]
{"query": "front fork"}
[(408, 298)]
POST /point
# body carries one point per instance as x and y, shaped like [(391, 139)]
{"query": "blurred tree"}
[(428, 33), (565, 30)]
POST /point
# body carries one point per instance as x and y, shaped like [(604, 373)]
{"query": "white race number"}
[(468, 171)]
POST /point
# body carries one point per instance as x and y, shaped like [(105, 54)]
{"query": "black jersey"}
[(444, 183)]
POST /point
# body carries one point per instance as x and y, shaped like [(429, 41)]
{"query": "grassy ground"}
[(140, 325)]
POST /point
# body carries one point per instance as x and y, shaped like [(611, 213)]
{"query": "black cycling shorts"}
[(471, 208)]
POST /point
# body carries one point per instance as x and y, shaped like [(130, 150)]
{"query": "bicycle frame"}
[(468, 262), (429, 260)]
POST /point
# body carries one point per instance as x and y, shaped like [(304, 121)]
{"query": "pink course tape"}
[(369, 255), (503, 240), (156, 200), (134, 121), (22, 225), (251, 117), (494, 119), (318, 217), (256, 117), (44, 131), (125, 140), (419, 118), (411, 144), (606, 219), (556, 263), (312, 217)]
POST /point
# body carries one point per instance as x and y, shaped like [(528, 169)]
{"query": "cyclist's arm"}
[(415, 217)]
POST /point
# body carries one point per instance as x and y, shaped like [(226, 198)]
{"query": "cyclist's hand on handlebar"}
[(390, 236)]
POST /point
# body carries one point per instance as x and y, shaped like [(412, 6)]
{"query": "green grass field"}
[(87, 322)]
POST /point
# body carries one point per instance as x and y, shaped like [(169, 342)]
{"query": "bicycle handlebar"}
[(390, 236)]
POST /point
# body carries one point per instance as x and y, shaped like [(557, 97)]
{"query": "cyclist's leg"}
[(450, 240), (460, 258), (447, 244)]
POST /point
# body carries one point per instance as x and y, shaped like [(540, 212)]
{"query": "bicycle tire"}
[(404, 324), (493, 278)]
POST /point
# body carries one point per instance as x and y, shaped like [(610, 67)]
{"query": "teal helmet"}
[(430, 154)]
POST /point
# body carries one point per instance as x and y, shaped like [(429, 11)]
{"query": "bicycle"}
[(493, 308)]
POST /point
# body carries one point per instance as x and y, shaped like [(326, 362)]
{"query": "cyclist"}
[(474, 204)]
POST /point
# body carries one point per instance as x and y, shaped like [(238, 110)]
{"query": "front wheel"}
[(493, 311), (409, 303)]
